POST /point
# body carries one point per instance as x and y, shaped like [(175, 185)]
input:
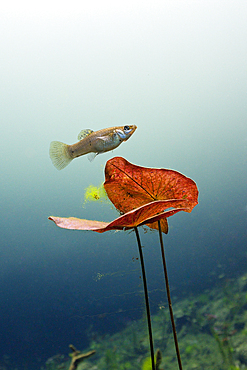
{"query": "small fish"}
[(90, 142)]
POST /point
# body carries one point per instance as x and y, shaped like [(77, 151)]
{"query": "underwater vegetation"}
[(95, 193), (147, 364), (195, 317), (144, 196)]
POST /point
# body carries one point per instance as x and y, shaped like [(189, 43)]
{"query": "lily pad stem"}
[(169, 298), (146, 298)]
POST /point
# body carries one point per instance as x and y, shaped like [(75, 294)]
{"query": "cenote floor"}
[(211, 327)]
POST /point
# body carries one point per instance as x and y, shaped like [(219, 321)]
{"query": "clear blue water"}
[(177, 71)]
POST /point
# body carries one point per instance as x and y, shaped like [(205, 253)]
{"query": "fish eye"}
[(126, 128)]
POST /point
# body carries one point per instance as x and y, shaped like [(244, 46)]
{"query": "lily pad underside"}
[(145, 215)]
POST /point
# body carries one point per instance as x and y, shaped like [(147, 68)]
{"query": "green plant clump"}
[(94, 193), (147, 364)]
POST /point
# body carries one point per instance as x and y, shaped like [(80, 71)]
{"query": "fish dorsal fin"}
[(84, 133)]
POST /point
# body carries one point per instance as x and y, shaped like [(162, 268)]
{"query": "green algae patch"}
[(94, 193), (147, 364)]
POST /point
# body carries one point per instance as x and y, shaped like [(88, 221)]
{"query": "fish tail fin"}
[(59, 154)]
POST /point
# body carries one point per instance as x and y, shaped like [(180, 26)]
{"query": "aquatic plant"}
[(129, 186), (52, 363), (95, 193), (144, 196), (225, 325), (147, 364), (110, 360)]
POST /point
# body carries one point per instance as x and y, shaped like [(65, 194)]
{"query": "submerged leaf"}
[(129, 186), (73, 223), (146, 214)]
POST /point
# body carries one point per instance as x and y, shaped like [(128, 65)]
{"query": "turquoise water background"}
[(175, 69)]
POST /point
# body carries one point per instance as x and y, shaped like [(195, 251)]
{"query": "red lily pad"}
[(129, 186), (149, 213)]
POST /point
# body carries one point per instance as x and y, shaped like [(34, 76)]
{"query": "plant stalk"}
[(146, 298), (169, 297)]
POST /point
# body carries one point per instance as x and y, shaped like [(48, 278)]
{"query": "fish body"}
[(89, 142)]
